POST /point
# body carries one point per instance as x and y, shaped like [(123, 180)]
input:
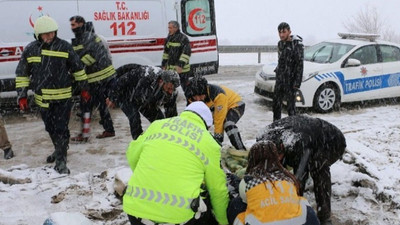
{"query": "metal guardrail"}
[(247, 49)]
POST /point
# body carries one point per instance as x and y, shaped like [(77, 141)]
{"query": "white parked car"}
[(355, 67)]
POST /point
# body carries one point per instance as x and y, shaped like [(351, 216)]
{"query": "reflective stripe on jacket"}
[(95, 55), (177, 52), (49, 69), (220, 99), (170, 161), (273, 203)]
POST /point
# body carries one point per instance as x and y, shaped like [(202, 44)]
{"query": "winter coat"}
[(271, 202), (139, 84), (300, 133), (289, 71), (95, 55), (49, 70), (170, 161), (176, 52), (220, 100)]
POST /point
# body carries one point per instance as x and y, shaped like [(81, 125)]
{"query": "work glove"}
[(219, 138), (85, 95), (23, 104)]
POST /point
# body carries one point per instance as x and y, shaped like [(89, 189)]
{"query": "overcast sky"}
[(256, 21)]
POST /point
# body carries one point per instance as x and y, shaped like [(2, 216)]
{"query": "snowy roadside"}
[(365, 184)]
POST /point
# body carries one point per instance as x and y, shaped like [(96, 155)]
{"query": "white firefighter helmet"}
[(44, 24)]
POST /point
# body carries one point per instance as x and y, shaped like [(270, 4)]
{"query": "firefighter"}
[(48, 66), (227, 107), (309, 145), (170, 163), (144, 89), (289, 71), (4, 142), (269, 194), (177, 53), (96, 57)]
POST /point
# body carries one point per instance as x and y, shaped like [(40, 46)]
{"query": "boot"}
[(8, 153), (79, 139), (327, 222), (51, 158), (61, 167), (105, 134)]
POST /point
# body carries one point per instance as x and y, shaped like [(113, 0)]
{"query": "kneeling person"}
[(169, 167), (269, 194), (227, 107)]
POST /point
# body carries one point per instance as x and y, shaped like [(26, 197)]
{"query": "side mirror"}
[(352, 62)]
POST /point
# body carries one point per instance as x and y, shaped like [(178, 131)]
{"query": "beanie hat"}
[(201, 109)]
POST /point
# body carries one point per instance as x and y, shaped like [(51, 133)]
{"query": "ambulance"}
[(134, 30)]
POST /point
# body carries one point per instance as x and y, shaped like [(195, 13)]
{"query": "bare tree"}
[(368, 20)]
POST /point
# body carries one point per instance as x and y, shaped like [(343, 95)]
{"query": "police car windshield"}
[(326, 52)]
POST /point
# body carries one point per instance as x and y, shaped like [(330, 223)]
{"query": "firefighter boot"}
[(8, 153), (61, 166)]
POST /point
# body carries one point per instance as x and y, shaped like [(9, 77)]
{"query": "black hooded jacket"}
[(139, 85), (290, 62), (299, 133)]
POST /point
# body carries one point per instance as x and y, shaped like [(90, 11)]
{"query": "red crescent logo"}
[(191, 17), (31, 22)]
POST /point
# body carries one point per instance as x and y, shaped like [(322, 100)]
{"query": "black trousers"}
[(56, 120), (99, 93), (230, 127), (281, 92), (132, 111)]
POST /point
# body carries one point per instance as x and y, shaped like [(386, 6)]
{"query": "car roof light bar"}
[(370, 37)]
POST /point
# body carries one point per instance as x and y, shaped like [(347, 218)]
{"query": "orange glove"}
[(23, 104), (85, 95)]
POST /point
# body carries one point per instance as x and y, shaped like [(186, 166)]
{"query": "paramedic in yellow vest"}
[(48, 66), (177, 53), (227, 107), (170, 162), (269, 194)]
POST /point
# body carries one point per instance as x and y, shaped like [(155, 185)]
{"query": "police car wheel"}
[(326, 98)]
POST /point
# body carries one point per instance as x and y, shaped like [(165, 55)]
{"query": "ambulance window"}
[(198, 17), (390, 53)]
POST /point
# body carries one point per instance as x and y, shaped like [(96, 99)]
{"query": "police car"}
[(354, 67)]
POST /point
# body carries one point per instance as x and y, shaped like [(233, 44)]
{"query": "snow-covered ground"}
[(366, 183)]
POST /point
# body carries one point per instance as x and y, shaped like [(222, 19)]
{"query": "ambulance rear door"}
[(197, 18)]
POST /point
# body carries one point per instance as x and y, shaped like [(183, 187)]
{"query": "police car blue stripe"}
[(368, 83), (333, 75)]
